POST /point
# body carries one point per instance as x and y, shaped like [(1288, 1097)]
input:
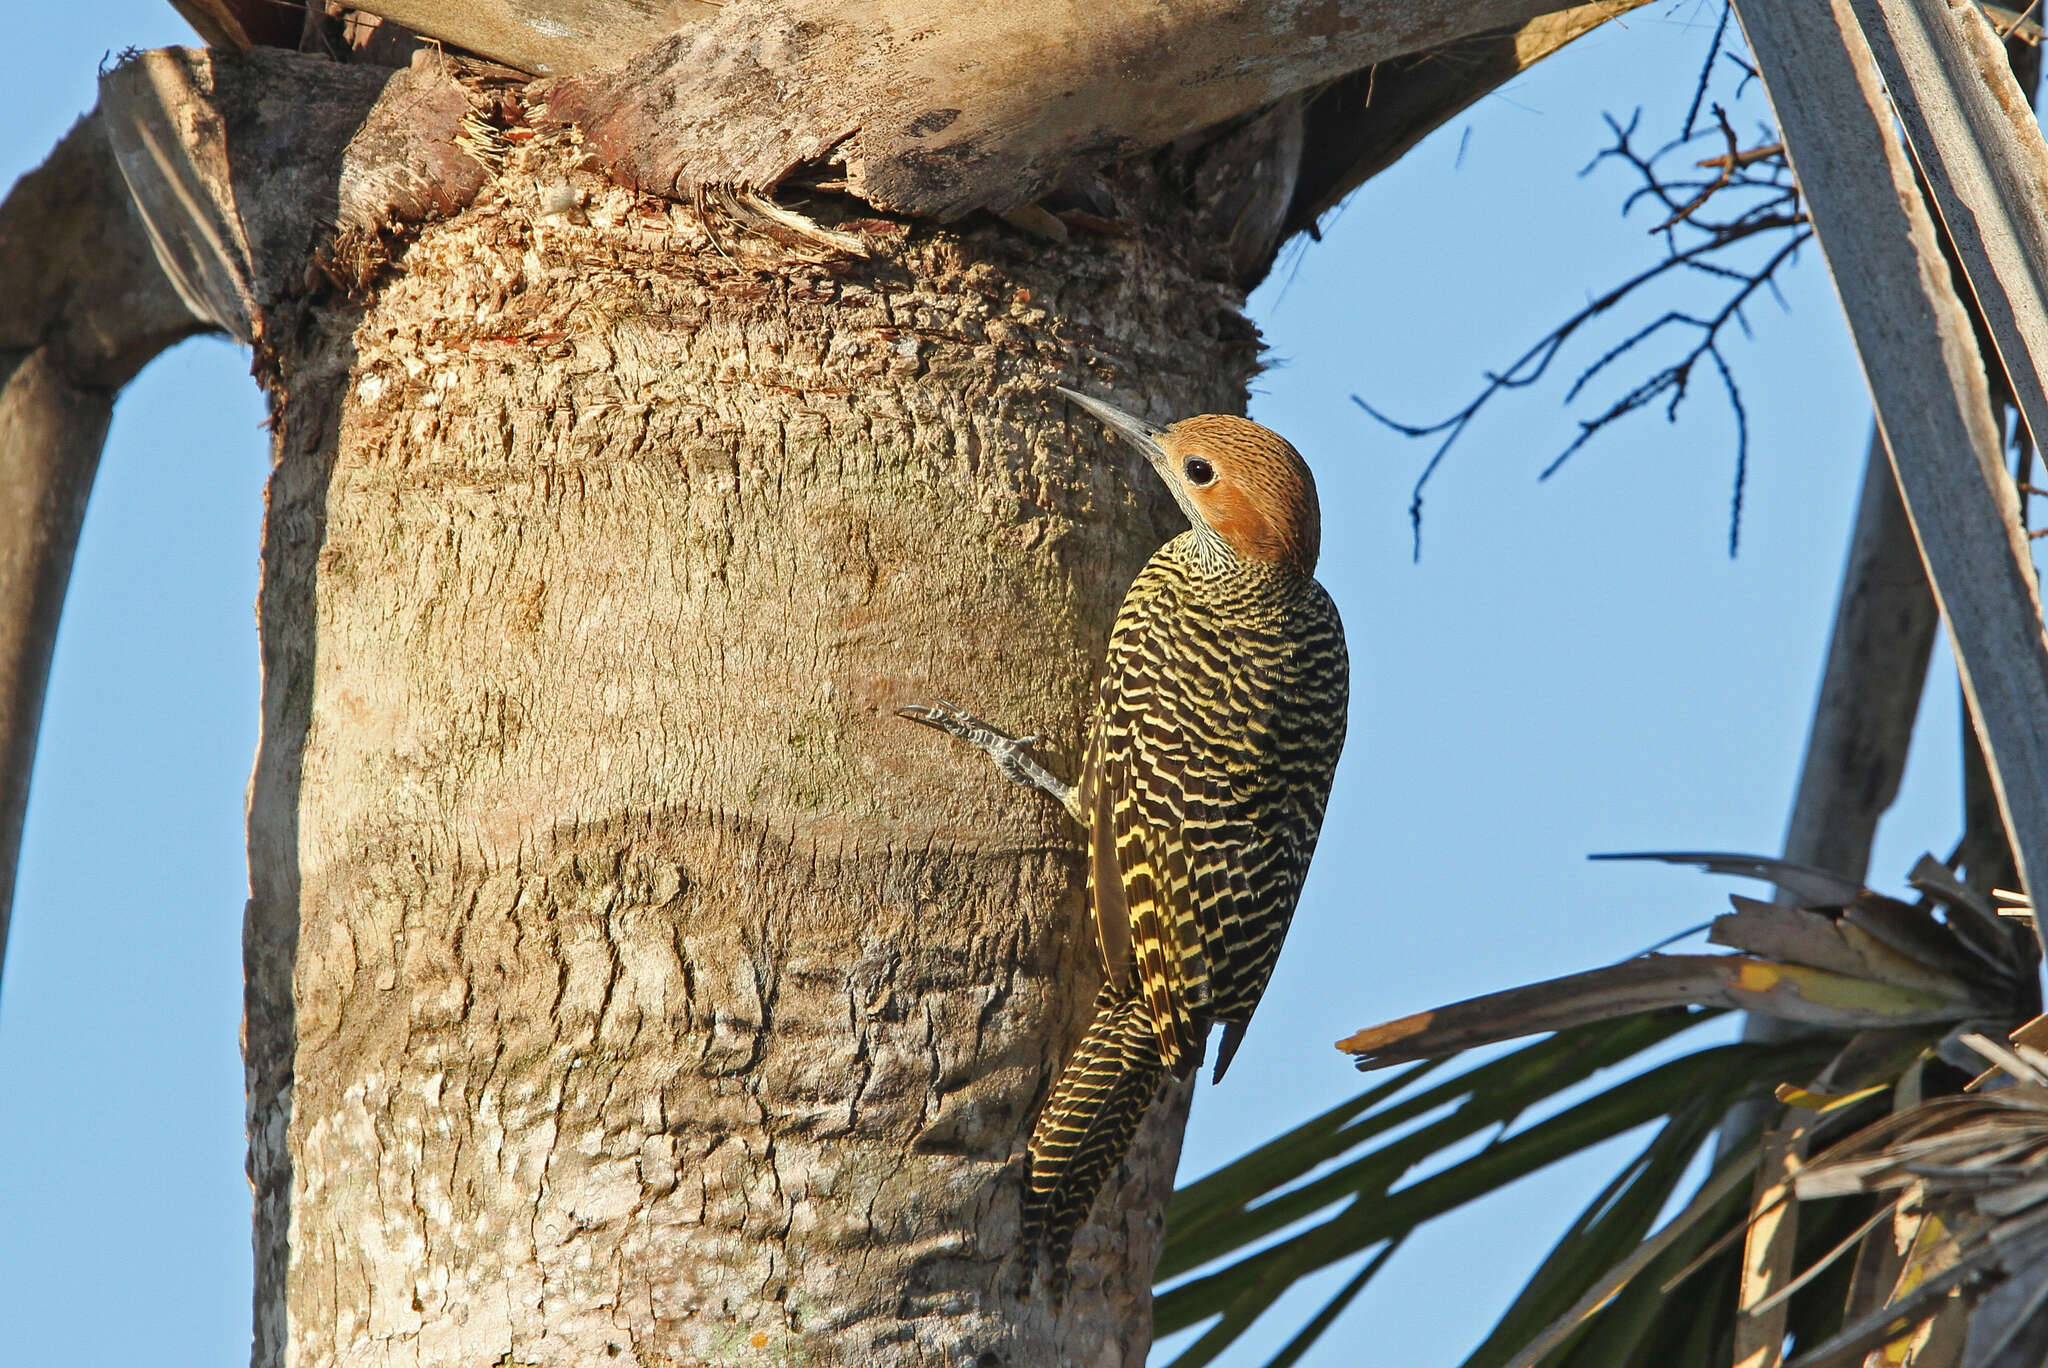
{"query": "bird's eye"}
[(1198, 471)]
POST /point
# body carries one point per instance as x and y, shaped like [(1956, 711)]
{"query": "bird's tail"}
[(1087, 1125)]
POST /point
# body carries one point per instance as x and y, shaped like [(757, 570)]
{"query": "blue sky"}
[(1572, 666)]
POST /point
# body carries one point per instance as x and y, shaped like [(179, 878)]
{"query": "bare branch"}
[(1748, 196)]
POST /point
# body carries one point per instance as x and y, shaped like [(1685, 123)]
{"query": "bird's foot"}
[(1011, 754)]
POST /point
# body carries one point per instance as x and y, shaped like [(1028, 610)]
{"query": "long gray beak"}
[(1141, 434)]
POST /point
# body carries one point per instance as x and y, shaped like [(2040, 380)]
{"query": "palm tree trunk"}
[(626, 983)]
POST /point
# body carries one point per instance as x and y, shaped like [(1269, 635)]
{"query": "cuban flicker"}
[(1219, 717)]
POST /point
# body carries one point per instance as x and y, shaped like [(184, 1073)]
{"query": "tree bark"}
[(626, 983)]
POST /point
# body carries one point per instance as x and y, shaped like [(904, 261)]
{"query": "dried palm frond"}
[(1850, 960), (1967, 1179), (1890, 989)]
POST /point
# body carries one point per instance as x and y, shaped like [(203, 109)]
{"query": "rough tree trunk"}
[(627, 984)]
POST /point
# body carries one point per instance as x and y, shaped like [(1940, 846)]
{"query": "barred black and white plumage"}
[(1219, 718)]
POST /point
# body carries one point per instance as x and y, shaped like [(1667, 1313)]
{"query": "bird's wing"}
[(1139, 766), (1211, 778), (1106, 902), (1145, 801), (1234, 899), (1256, 794)]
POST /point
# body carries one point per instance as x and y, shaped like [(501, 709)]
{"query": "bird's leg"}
[(1011, 754)]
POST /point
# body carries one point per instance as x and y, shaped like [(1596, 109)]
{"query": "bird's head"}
[(1243, 483)]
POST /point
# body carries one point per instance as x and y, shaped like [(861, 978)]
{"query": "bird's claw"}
[(954, 720), (1010, 754)]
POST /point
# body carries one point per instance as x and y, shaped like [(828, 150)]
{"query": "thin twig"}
[(1699, 90)]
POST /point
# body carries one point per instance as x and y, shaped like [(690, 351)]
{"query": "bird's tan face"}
[(1243, 482), (1247, 483)]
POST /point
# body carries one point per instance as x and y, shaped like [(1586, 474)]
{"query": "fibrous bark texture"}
[(627, 984), (1385, 100)]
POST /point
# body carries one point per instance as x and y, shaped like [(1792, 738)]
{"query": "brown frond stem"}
[(1769, 151)]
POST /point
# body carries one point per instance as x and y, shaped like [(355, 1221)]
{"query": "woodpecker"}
[(1218, 721)]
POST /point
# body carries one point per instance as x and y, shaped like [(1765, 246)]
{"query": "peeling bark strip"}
[(237, 25), (977, 106), (83, 306), (50, 437), (1927, 381), (546, 37), (77, 276), (1361, 124)]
